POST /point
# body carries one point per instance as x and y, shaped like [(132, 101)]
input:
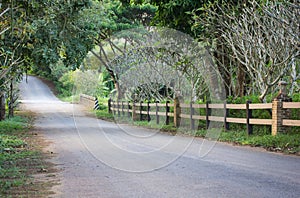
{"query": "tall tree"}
[(120, 15), (14, 38), (177, 14), (262, 44), (39, 33)]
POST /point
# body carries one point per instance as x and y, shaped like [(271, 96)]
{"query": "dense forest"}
[(252, 44)]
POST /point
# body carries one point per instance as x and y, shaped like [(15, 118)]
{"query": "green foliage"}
[(65, 84), (13, 151), (88, 82), (13, 125), (125, 16), (8, 142), (176, 14), (103, 114), (287, 143), (152, 124), (296, 97)]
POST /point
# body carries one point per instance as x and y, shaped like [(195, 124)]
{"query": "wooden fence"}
[(138, 111)]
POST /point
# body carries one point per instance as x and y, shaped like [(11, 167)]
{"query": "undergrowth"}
[(18, 158)]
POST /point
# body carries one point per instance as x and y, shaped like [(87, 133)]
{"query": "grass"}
[(103, 114), (20, 158), (286, 143)]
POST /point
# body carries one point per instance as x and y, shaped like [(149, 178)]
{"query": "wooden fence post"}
[(118, 107), (128, 107), (192, 121), (148, 111), (167, 113), (113, 107), (141, 109), (123, 112), (249, 116), (177, 112), (134, 117), (156, 112), (207, 114), (109, 105), (276, 116), (226, 113)]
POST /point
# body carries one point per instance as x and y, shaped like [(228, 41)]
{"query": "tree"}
[(119, 16), (286, 14), (13, 39), (262, 44), (36, 34), (62, 33), (176, 14)]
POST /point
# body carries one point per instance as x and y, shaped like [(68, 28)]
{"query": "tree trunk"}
[(2, 106), (11, 100), (216, 85), (241, 77)]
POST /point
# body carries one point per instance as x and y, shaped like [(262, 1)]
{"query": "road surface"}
[(104, 159)]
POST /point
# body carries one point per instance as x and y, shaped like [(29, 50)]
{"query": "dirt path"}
[(102, 159)]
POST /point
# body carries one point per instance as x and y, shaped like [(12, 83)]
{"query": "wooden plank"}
[(236, 106), (199, 106), (216, 118), (291, 105), (152, 113), (144, 105), (129, 110), (287, 122), (161, 113), (171, 114), (144, 112), (161, 104), (184, 116), (216, 106), (261, 121), (237, 120), (260, 106), (158, 104), (184, 105), (197, 117)]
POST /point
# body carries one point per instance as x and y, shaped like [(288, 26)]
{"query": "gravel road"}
[(104, 159)]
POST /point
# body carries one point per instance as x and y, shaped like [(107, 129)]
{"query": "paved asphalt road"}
[(103, 159)]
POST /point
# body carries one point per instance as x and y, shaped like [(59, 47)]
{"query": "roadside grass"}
[(21, 158), (285, 143), (103, 114)]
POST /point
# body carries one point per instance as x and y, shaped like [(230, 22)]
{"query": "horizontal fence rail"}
[(290, 105), (142, 111)]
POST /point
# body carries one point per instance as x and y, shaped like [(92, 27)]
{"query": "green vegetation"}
[(18, 158), (55, 38), (287, 143)]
